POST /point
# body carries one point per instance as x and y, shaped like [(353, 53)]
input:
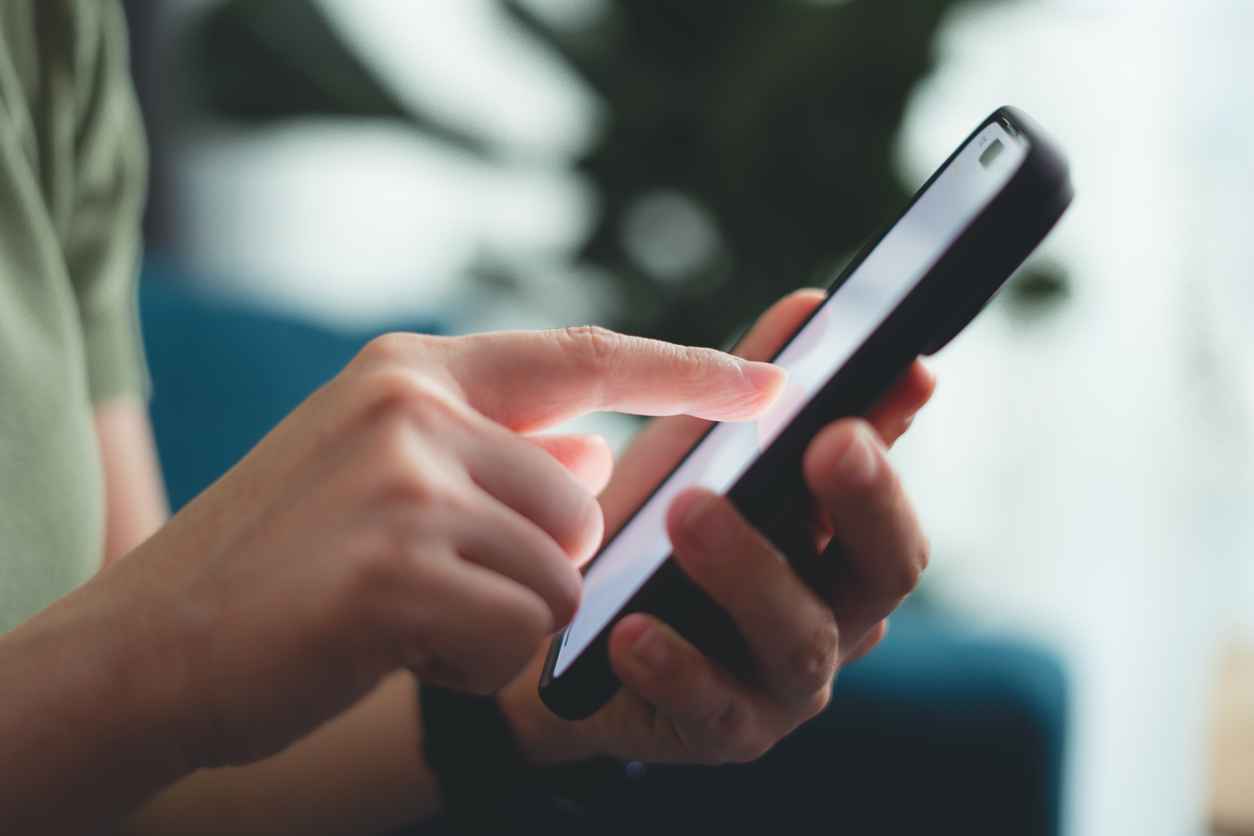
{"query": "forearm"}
[(361, 773), (86, 731), (364, 772)]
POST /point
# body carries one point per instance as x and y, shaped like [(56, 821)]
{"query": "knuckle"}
[(727, 724), (569, 592), (399, 477), (812, 663), (693, 364), (819, 702), (408, 487), (539, 627), (377, 572), (401, 410), (704, 370), (592, 345), (924, 552), (391, 349), (905, 576), (439, 504), (589, 525), (379, 567), (559, 590), (393, 390), (750, 748), (420, 494)]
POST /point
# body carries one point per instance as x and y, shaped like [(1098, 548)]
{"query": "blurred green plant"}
[(749, 144)]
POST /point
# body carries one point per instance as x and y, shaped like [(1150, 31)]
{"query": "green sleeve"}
[(103, 244)]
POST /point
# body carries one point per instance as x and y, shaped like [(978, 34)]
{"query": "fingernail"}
[(695, 525), (763, 377), (860, 458), (695, 512), (928, 372), (651, 651)]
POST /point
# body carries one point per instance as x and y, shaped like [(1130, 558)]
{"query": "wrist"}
[(136, 651), (544, 738), (160, 643), (83, 713)]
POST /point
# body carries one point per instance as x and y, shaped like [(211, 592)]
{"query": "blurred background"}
[(1086, 472)]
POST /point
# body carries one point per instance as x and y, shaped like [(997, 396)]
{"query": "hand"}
[(398, 518), (677, 705)]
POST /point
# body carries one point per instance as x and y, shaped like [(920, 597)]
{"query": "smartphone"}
[(906, 294)]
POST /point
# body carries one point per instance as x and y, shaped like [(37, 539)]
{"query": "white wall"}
[(1089, 479)]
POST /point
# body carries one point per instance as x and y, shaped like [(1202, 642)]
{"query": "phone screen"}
[(844, 322)]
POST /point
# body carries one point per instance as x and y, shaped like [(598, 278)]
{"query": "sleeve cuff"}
[(114, 352)]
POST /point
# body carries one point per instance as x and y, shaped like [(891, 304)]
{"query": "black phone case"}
[(772, 494)]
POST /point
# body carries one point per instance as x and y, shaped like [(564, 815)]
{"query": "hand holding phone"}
[(663, 715), (966, 231)]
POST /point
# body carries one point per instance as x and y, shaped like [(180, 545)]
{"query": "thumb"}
[(529, 380)]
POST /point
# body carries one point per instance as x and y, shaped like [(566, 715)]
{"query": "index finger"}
[(530, 380), (662, 443)]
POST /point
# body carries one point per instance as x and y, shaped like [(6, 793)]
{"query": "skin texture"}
[(134, 492), (350, 546)]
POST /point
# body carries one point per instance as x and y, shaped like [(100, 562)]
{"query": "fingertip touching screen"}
[(845, 321)]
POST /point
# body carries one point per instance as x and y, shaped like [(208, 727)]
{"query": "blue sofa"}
[(940, 730)]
